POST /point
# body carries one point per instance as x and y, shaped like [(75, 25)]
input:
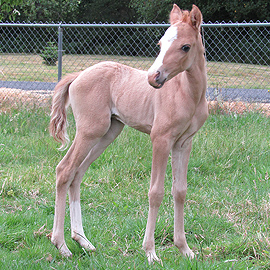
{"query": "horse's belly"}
[(134, 120)]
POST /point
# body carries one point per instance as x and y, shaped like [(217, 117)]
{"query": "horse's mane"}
[(185, 15)]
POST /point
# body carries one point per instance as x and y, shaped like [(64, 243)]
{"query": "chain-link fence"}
[(33, 57)]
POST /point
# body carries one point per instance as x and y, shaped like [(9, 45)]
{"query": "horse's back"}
[(114, 90)]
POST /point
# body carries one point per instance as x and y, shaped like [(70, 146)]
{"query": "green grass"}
[(227, 212), (29, 67)]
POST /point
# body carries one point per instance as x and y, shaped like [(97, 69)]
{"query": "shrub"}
[(50, 54)]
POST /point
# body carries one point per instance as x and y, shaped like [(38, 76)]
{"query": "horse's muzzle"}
[(156, 80)]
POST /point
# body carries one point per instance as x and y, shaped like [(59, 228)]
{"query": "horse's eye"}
[(185, 48)]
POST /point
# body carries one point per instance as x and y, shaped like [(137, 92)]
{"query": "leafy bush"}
[(50, 54)]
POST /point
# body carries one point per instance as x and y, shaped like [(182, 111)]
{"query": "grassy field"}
[(27, 67), (227, 212)]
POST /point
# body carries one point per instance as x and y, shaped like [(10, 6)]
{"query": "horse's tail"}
[(60, 103)]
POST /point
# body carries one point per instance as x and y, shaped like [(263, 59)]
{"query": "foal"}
[(107, 96)]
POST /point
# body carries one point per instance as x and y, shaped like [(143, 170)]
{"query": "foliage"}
[(7, 8), (133, 10), (48, 10), (219, 10), (153, 10), (75, 10), (105, 11), (50, 54)]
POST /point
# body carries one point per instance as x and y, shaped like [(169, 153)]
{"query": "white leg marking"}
[(76, 218), (77, 232)]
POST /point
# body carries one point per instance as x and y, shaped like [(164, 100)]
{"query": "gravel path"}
[(225, 94)]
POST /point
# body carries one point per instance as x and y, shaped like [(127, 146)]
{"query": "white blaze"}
[(166, 41)]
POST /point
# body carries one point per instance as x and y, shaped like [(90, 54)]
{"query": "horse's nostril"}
[(157, 76)]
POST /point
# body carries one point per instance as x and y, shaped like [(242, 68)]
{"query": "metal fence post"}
[(237, 55), (60, 51)]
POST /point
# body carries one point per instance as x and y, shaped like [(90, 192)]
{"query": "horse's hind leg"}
[(77, 231), (84, 141)]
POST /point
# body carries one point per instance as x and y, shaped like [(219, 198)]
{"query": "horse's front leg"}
[(180, 158), (161, 150)]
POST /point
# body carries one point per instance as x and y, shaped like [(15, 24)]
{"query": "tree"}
[(75, 10), (47, 10), (7, 9), (218, 10), (130, 10), (105, 11), (152, 10)]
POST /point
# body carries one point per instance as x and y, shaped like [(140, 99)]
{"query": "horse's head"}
[(178, 47)]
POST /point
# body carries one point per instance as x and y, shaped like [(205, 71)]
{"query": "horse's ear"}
[(175, 15), (195, 17)]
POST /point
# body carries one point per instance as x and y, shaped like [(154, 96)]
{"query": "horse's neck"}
[(195, 79)]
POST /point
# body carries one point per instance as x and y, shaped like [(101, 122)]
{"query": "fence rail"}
[(238, 57)]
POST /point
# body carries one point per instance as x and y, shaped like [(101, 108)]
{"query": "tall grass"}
[(227, 212)]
